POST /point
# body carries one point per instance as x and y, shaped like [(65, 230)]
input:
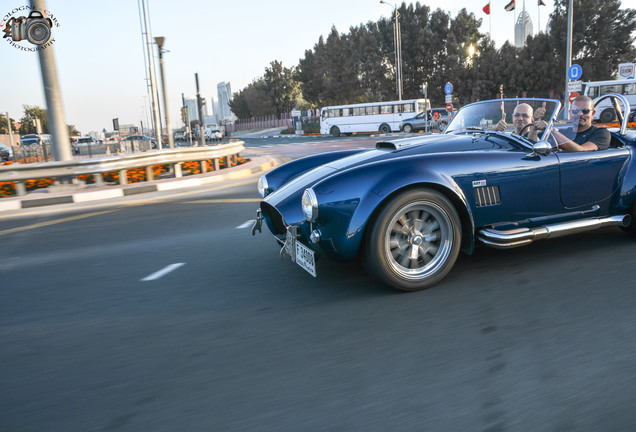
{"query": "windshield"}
[(511, 114)]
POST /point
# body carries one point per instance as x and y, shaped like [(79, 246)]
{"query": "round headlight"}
[(262, 186), (310, 205)]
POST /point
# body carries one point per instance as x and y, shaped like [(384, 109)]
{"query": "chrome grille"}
[(487, 196)]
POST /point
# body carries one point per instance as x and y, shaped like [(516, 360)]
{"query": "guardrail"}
[(70, 170)]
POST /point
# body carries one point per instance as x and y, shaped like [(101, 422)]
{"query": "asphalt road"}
[(230, 338)]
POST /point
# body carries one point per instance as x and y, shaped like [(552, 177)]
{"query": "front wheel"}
[(335, 131), (414, 241), (408, 128)]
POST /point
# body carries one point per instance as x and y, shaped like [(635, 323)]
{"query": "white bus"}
[(368, 117), (605, 112)]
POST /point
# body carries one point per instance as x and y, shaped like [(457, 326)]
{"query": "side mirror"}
[(543, 148)]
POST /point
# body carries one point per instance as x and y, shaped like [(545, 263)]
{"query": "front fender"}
[(348, 199)]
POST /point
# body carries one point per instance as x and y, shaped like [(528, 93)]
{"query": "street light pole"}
[(397, 42), (53, 96), (159, 40)]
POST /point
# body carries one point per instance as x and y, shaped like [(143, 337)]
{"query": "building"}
[(523, 28), (191, 106), (222, 108)]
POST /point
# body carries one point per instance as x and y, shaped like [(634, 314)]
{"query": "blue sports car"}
[(409, 206)]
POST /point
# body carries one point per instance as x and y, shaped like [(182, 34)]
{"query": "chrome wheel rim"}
[(418, 240)]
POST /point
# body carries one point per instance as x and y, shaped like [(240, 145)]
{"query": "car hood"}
[(287, 198)]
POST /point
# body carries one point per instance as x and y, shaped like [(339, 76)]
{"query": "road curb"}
[(256, 164)]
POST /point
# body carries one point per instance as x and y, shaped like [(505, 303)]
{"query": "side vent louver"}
[(487, 196)]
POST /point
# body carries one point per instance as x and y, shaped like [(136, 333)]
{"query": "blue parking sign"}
[(575, 72), (448, 88)]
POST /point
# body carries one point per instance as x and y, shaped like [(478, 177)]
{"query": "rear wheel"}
[(414, 241), (408, 128), (335, 131), (385, 128)]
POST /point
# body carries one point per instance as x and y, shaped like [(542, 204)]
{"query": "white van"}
[(605, 112)]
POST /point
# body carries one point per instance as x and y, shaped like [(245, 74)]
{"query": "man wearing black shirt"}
[(587, 137)]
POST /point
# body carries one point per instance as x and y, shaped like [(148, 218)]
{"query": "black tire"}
[(385, 128), (335, 131), (408, 128), (607, 115), (414, 241)]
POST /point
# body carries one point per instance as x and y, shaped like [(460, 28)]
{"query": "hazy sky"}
[(99, 51)]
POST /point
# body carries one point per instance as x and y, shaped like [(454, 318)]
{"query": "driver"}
[(587, 137), (521, 117)]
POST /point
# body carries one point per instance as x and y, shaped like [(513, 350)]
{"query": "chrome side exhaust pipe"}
[(524, 236)]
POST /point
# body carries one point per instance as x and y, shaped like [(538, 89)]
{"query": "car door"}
[(587, 178)]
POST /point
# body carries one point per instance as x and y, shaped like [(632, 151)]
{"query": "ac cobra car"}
[(409, 206)]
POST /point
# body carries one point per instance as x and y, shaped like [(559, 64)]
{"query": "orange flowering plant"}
[(134, 175)]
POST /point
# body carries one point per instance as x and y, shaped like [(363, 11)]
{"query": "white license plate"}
[(305, 258)]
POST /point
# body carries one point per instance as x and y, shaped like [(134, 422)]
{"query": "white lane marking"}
[(247, 224), (164, 271)]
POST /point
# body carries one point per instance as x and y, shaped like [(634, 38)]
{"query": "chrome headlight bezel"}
[(262, 186), (309, 204)]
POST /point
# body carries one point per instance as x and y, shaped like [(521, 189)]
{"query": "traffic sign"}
[(449, 107), (573, 96), (448, 88), (575, 86), (575, 72), (449, 98)]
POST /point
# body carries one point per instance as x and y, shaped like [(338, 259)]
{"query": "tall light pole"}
[(159, 40), (154, 94), (53, 96), (397, 42)]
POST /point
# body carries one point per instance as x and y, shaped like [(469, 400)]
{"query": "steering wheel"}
[(523, 129)]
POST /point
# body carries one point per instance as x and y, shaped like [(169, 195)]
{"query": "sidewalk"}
[(70, 194)]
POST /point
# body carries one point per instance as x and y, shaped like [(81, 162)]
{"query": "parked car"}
[(152, 140), (5, 153), (213, 135), (84, 141), (409, 206), (419, 121), (35, 139)]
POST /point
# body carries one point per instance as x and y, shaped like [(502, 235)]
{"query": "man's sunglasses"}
[(585, 111)]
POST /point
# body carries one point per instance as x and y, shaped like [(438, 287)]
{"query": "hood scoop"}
[(394, 145)]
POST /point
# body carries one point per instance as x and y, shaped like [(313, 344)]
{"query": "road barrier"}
[(69, 171)]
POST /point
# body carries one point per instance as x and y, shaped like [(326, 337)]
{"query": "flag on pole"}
[(486, 8), (510, 6), (541, 3)]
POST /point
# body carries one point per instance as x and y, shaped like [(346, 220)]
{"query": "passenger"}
[(587, 137)]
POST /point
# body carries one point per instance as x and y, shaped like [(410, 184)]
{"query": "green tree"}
[(603, 37), (30, 113), (4, 124), (252, 101), (281, 86), (74, 132)]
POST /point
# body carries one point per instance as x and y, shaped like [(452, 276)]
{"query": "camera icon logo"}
[(35, 28)]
